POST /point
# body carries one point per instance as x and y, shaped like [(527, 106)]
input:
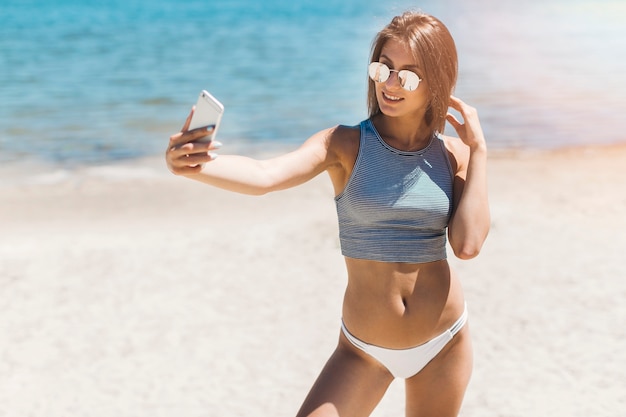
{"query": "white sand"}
[(126, 291)]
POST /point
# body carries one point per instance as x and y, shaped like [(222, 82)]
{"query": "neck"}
[(403, 133)]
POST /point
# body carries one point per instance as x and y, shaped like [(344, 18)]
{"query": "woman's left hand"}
[(470, 131)]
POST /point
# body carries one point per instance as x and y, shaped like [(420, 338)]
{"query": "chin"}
[(390, 112)]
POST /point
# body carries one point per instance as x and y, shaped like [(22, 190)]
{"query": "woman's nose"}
[(393, 80)]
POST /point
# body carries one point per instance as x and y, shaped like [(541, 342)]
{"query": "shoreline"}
[(32, 171), (131, 291)]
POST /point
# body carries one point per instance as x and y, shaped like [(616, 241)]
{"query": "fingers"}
[(468, 129), (189, 164), (456, 124), (462, 107), (193, 150), (457, 105), (186, 136), (187, 170), (189, 158), (189, 150), (188, 121), (455, 101), (453, 121)]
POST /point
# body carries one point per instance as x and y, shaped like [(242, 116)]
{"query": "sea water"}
[(88, 82)]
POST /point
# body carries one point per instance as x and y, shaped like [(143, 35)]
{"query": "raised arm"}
[(198, 161), (470, 221)]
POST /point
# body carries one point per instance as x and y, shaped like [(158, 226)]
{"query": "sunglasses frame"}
[(374, 68)]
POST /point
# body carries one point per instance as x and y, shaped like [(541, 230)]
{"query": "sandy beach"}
[(126, 291)]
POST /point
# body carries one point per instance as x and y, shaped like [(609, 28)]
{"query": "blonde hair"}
[(433, 49)]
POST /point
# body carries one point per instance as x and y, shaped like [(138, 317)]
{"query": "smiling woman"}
[(400, 188), (439, 70)]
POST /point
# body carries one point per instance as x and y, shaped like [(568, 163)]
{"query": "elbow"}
[(256, 191), (467, 248), (260, 188), (466, 252), (467, 245)]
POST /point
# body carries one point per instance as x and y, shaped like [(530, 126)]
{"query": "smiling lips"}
[(390, 97)]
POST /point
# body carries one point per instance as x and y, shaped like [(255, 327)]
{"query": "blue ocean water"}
[(87, 81)]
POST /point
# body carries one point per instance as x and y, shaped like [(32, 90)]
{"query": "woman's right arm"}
[(243, 174)]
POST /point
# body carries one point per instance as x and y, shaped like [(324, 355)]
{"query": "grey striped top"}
[(396, 204)]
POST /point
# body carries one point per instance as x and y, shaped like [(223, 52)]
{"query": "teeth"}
[(393, 98)]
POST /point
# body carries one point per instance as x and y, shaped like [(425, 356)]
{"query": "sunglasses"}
[(380, 73)]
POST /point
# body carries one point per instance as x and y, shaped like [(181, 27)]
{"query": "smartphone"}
[(208, 112)]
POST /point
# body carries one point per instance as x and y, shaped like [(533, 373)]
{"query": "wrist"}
[(480, 147)]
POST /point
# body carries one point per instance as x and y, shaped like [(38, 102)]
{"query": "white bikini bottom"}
[(405, 363)]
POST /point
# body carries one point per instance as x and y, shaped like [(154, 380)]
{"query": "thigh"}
[(438, 389), (351, 384)]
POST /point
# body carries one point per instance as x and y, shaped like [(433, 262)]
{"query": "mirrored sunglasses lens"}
[(378, 72), (408, 80)]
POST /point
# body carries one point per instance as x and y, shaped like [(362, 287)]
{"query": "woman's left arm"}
[(470, 221)]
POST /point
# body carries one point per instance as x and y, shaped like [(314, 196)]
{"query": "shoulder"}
[(336, 135), (345, 142), (339, 142), (338, 148), (343, 136), (458, 153)]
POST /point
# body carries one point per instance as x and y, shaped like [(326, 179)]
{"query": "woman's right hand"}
[(184, 155)]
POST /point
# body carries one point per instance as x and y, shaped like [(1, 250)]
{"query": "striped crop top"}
[(396, 204)]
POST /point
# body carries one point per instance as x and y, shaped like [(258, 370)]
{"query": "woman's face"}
[(393, 100)]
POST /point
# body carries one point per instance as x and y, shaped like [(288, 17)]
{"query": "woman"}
[(399, 185)]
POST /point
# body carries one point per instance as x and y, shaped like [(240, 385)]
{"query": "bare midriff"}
[(400, 305)]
